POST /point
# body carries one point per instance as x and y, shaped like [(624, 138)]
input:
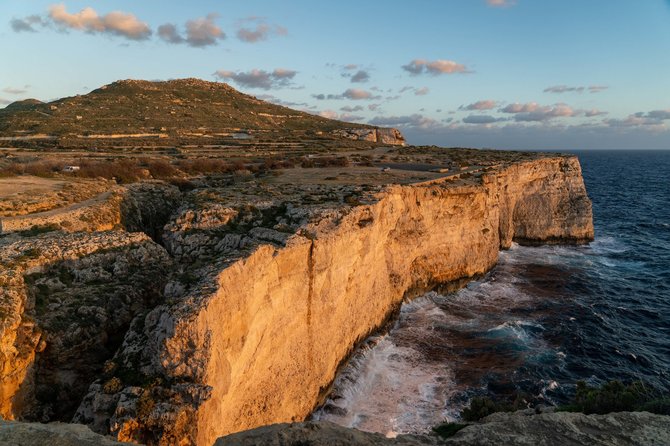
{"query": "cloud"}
[(501, 3), (360, 76), (656, 114), (351, 109), (636, 121), (168, 32), (351, 93), (481, 119), (357, 94), (350, 67), (405, 88), (279, 78), (652, 120), (200, 32), (330, 114), (276, 100), (435, 68), (421, 91), (11, 90), (594, 112), (409, 121), (597, 88), (521, 136), (486, 104), (262, 31), (87, 20), (203, 31), (373, 107), (4, 101), (350, 118), (563, 89), (532, 111), (27, 24), (566, 89)]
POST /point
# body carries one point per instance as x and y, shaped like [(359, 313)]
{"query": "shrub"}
[(446, 430), (162, 169), (481, 407), (615, 396)]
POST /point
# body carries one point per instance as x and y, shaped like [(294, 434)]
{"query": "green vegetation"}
[(615, 396), (481, 407), (446, 430)]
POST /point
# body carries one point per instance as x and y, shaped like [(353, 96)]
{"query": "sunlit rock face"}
[(260, 337)]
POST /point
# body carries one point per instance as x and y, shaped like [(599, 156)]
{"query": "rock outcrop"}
[(511, 429), (390, 136), (138, 207), (319, 433), (53, 434), (66, 301), (258, 336)]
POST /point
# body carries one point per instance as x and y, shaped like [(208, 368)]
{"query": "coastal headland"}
[(175, 289)]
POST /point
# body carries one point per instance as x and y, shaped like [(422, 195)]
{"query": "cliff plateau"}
[(274, 291)]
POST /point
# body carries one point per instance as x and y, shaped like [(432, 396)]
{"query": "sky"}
[(508, 74)]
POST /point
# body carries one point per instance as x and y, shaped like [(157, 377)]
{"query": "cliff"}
[(68, 294), (283, 294)]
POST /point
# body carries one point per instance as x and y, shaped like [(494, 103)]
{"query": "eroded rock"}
[(255, 328)]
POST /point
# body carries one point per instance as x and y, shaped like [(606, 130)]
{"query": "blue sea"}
[(542, 319)]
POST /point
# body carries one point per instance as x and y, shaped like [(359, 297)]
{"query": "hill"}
[(184, 111)]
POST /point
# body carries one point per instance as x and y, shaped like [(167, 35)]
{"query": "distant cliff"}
[(260, 339)]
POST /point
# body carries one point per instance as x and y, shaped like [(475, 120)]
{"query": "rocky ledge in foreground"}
[(512, 429), (53, 434)]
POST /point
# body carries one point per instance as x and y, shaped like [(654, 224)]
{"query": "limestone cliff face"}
[(388, 136), (59, 323), (263, 338)]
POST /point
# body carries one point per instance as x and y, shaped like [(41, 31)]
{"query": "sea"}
[(541, 320)]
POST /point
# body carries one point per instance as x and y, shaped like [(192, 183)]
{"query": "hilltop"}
[(184, 111)]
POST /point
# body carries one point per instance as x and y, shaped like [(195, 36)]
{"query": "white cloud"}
[(88, 20), (580, 89), (532, 111), (203, 31), (357, 94), (435, 68), (255, 78), (261, 31), (486, 104), (408, 121), (481, 119)]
